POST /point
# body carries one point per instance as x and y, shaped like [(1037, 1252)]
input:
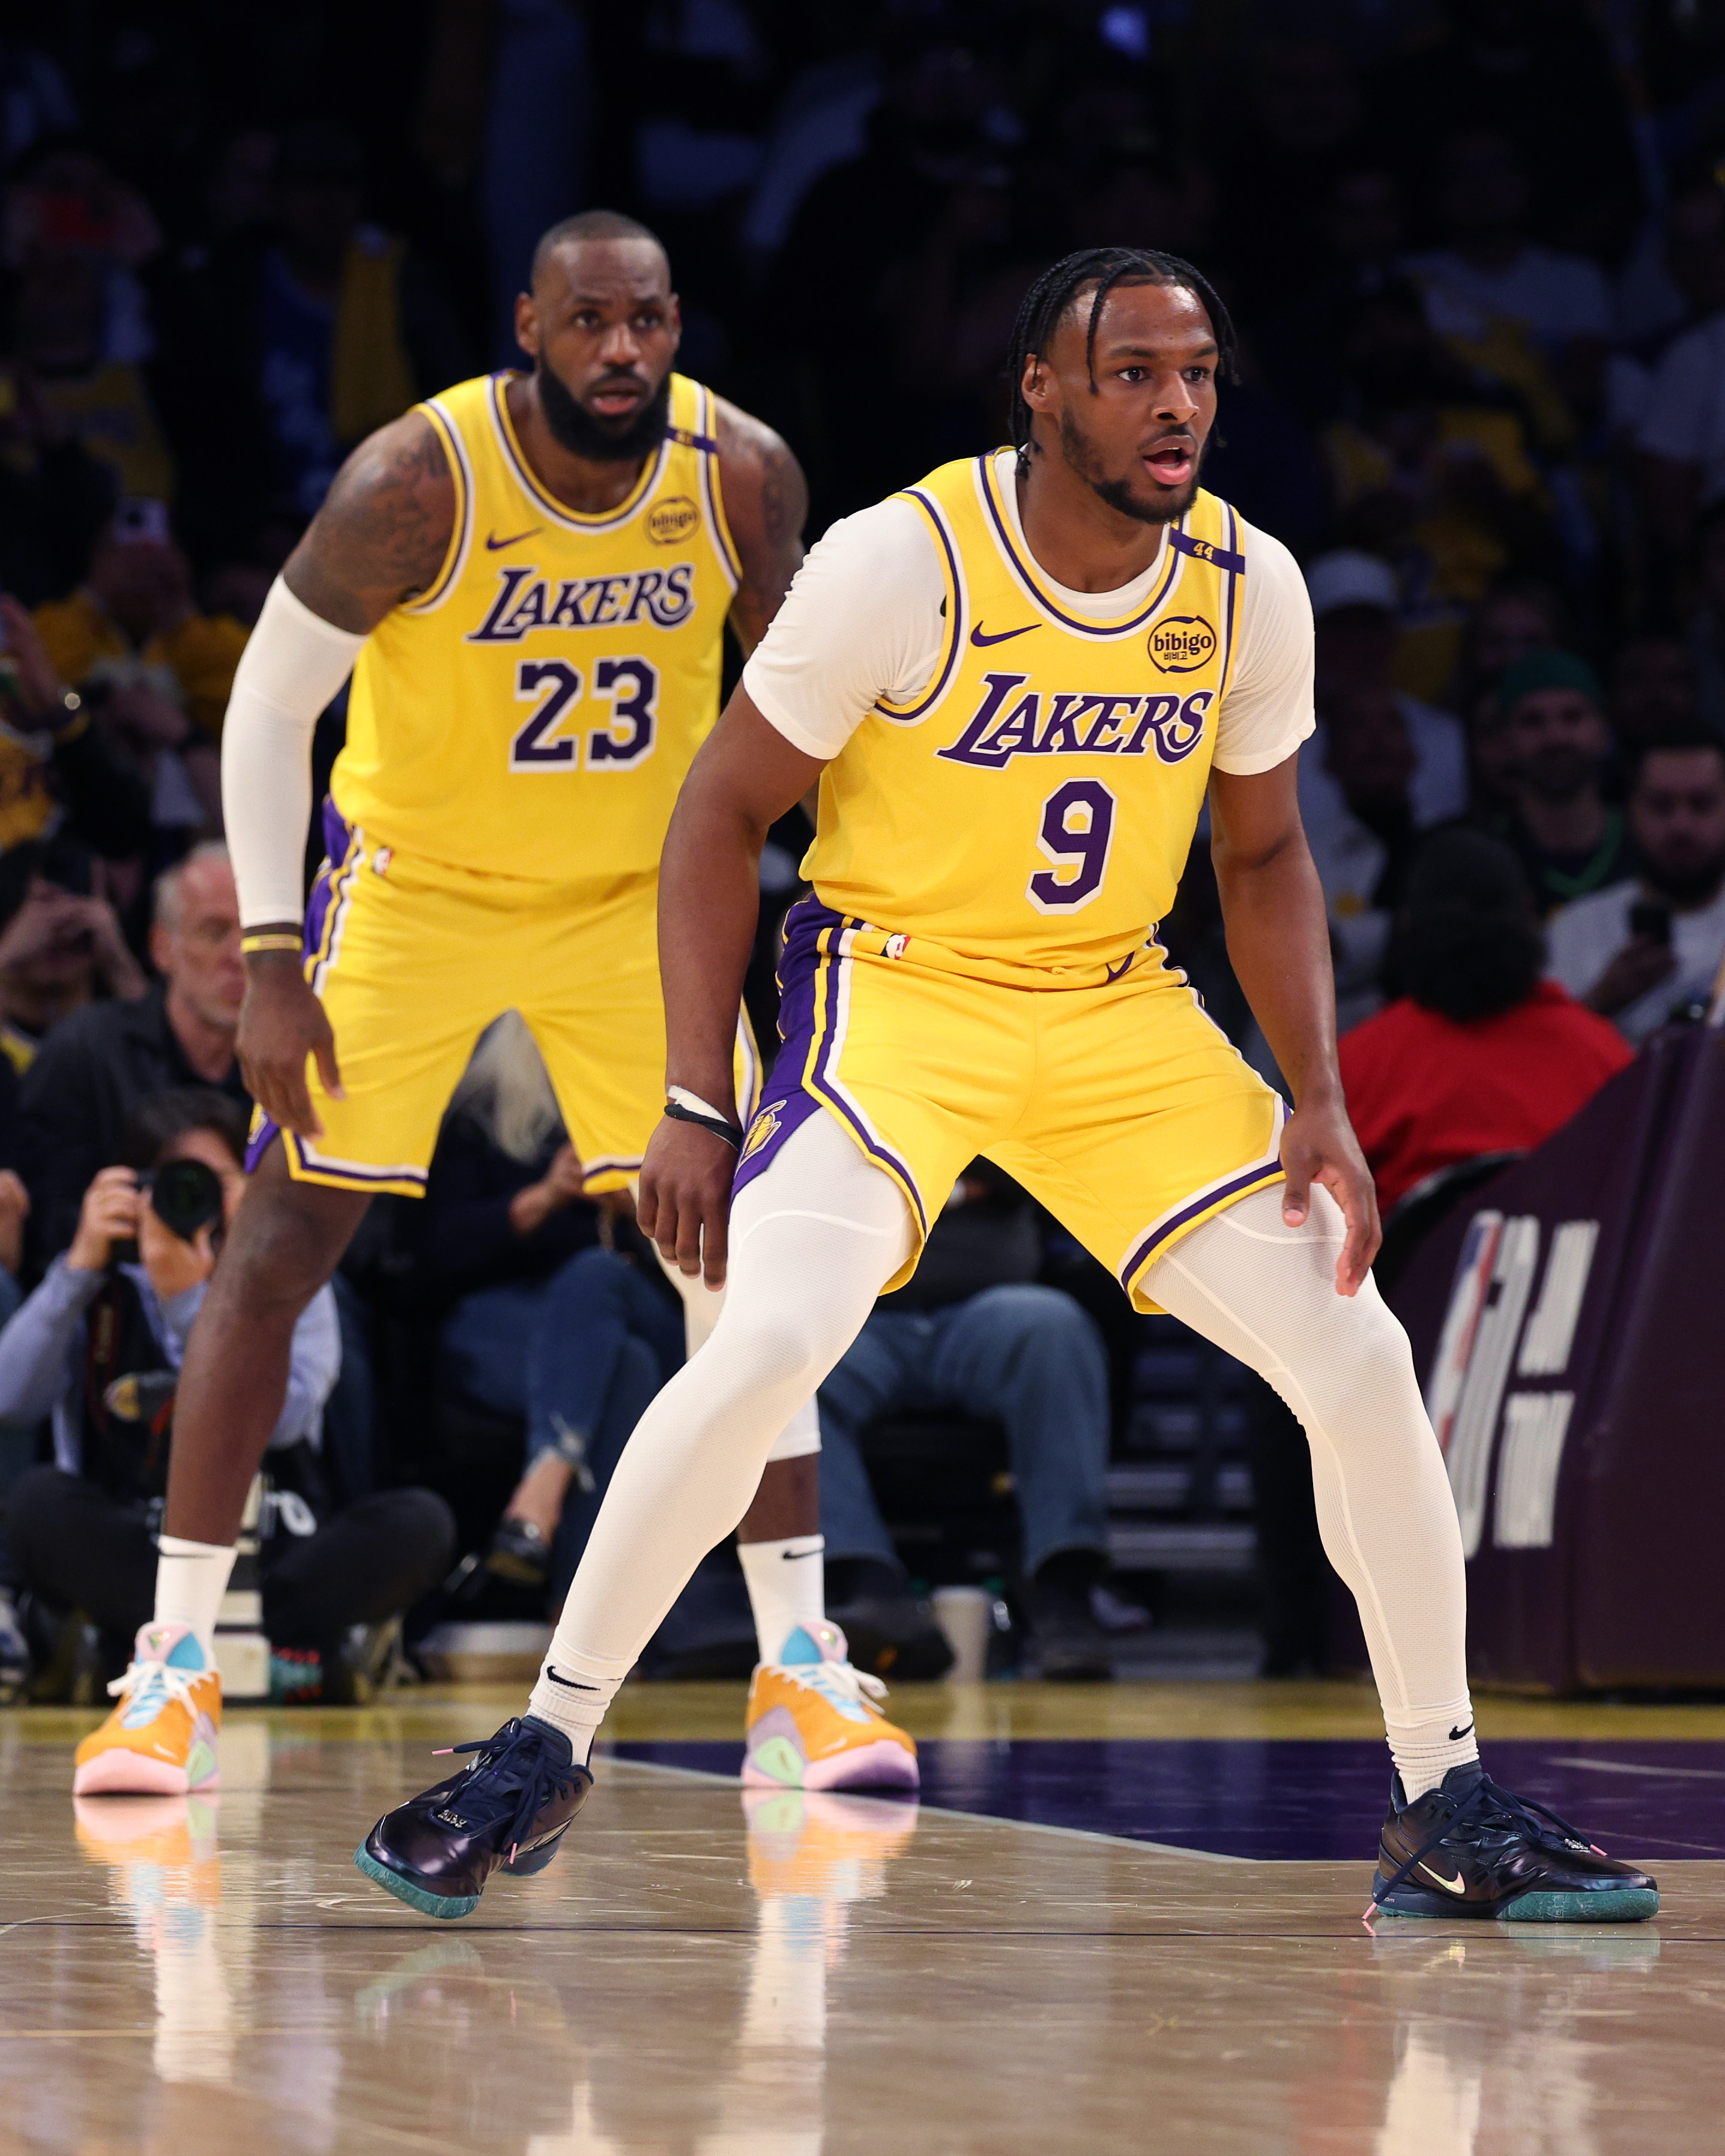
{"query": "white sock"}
[(1266, 1294), (574, 1691), (191, 1579), (812, 1241), (1428, 1741), (787, 1588)]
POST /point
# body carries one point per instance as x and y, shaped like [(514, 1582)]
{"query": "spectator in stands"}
[(98, 1346), (1427, 472), (1681, 436), (1477, 1054), (1706, 628), (1518, 616), (59, 772), (1653, 690), (972, 1331), (1557, 743), (157, 672), (550, 1326), (1654, 942), (1362, 855), (1355, 604), (60, 325), (54, 495), (92, 1071), (61, 948)]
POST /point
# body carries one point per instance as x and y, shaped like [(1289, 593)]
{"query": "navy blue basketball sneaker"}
[(506, 1811), (1470, 1849)]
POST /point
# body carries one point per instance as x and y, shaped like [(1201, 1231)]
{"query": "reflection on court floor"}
[(714, 1973)]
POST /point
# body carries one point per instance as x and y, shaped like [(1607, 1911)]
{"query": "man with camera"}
[(97, 1348)]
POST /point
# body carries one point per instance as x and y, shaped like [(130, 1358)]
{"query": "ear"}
[(527, 324), (1035, 383)]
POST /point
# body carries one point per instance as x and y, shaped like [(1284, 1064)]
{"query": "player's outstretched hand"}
[(282, 1023), (1318, 1146), (685, 1202)]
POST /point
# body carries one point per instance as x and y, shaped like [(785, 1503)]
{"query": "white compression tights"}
[(813, 1241)]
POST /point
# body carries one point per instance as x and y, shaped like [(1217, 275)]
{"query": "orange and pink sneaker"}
[(160, 1741), (814, 1721)]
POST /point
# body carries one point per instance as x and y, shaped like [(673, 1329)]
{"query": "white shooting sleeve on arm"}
[(292, 665)]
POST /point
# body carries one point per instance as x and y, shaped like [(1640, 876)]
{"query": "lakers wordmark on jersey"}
[(534, 713)]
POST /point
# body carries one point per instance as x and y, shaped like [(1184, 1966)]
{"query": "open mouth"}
[(616, 400), (1171, 464)]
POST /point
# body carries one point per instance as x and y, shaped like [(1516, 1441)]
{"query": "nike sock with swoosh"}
[(1427, 1743), (787, 1588), (574, 1691)]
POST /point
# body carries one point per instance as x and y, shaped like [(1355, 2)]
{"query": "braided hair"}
[(1047, 301)]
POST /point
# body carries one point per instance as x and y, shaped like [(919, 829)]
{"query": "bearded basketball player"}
[(1016, 685), (529, 578)]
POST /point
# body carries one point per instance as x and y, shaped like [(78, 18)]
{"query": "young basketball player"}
[(529, 578), (1016, 685)]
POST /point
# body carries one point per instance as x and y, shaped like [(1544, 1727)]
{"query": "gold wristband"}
[(247, 944)]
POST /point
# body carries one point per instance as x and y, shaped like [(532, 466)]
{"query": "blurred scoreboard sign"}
[(1568, 1327)]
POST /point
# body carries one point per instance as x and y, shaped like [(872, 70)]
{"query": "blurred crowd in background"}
[(1476, 252)]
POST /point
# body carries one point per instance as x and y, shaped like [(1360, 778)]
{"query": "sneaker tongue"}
[(174, 1645), (814, 1643), (558, 1747), (1462, 1781)]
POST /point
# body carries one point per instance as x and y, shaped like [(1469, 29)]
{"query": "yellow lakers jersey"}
[(533, 713), (1028, 817)]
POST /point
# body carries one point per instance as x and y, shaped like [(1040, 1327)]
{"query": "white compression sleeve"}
[(1267, 1293), (294, 662), (812, 1242)]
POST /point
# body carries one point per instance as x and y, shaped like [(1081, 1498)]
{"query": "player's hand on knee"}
[(282, 1025), (684, 1201), (1318, 1146)]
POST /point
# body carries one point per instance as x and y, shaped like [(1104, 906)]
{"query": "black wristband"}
[(731, 1133)]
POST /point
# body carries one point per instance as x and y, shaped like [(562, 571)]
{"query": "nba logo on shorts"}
[(896, 946)]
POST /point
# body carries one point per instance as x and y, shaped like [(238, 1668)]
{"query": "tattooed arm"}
[(766, 500), (383, 530), (381, 536)]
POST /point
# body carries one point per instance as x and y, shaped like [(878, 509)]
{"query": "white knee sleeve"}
[(702, 1305), (812, 1241), (1267, 1293)]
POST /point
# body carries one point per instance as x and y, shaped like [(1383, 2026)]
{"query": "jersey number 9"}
[(1077, 829)]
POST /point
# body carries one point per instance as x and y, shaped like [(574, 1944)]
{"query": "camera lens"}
[(185, 1196)]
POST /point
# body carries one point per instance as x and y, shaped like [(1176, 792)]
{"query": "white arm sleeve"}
[(861, 620), (1268, 711), (293, 664)]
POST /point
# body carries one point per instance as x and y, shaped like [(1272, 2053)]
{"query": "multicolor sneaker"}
[(160, 1741), (1470, 1849), (507, 1811), (813, 1722)]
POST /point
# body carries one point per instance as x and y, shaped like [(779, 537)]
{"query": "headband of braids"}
[(1047, 301)]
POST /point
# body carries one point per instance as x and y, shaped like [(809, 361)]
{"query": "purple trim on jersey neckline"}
[(1078, 626)]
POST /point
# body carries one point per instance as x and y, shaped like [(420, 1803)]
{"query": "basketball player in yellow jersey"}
[(529, 577), (1016, 685)]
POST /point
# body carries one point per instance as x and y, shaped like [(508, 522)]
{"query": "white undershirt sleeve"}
[(293, 664), (1267, 711), (861, 621)]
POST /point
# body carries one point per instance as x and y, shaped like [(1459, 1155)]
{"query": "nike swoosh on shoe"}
[(1457, 1886)]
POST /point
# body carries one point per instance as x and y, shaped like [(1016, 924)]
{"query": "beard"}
[(574, 428), (1686, 883), (1081, 455)]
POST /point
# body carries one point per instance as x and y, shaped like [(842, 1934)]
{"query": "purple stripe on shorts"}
[(337, 839), (1265, 1170), (264, 1132), (786, 1106)]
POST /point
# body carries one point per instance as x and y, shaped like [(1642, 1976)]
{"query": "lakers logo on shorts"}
[(672, 519), (761, 1133), (1182, 643)]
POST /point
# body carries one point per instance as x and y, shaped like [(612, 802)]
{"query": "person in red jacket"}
[(1477, 1054)]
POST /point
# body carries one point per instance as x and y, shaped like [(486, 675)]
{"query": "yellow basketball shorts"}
[(413, 960), (1121, 1107)]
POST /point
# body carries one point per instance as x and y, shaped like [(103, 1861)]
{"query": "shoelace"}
[(522, 1753), (1489, 1813), (155, 1684), (842, 1682)]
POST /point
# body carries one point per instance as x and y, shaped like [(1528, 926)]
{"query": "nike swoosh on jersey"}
[(978, 635), (567, 1683), (493, 545), (1457, 1886), (1115, 972)]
